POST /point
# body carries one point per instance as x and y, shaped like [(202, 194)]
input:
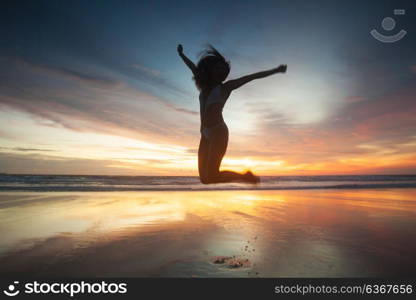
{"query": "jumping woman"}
[(209, 76)]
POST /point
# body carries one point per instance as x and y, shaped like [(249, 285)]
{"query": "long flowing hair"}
[(208, 59)]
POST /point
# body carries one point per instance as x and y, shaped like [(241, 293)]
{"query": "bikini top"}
[(214, 96)]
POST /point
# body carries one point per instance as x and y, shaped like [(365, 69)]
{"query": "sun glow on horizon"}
[(132, 156)]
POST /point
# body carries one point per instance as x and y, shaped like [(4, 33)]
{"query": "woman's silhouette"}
[(209, 76)]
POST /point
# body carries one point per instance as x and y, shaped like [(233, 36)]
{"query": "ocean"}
[(10, 182)]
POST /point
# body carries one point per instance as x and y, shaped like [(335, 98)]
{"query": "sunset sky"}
[(97, 87)]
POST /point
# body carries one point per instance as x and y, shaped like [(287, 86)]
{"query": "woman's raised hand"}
[(281, 69), (180, 49)]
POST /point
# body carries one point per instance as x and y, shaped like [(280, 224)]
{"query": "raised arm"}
[(187, 61), (236, 83)]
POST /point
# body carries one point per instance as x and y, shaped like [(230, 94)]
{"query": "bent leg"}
[(217, 148)]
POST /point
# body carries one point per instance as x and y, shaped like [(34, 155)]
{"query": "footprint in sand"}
[(232, 261), (235, 261)]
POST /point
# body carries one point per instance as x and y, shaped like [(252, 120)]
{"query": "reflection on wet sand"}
[(311, 233)]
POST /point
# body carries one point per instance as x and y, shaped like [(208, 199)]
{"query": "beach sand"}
[(298, 233)]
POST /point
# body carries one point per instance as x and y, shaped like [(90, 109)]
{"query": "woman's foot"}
[(250, 177)]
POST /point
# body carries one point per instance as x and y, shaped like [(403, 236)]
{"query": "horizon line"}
[(29, 174)]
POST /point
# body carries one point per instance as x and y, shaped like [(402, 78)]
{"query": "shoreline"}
[(112, 189)]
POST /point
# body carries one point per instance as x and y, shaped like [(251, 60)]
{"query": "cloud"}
[(353, 99), (13, 163), (151, 72), (88, 79), (388, 116), (183, 110), (387, 123), (98, 107), (21, 149), (92, 104)]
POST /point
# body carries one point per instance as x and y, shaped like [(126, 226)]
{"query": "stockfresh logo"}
[(11, 289)]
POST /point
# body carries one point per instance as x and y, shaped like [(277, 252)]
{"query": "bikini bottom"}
[(208, 132)]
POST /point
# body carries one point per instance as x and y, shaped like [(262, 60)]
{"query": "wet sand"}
[(302, 233)]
